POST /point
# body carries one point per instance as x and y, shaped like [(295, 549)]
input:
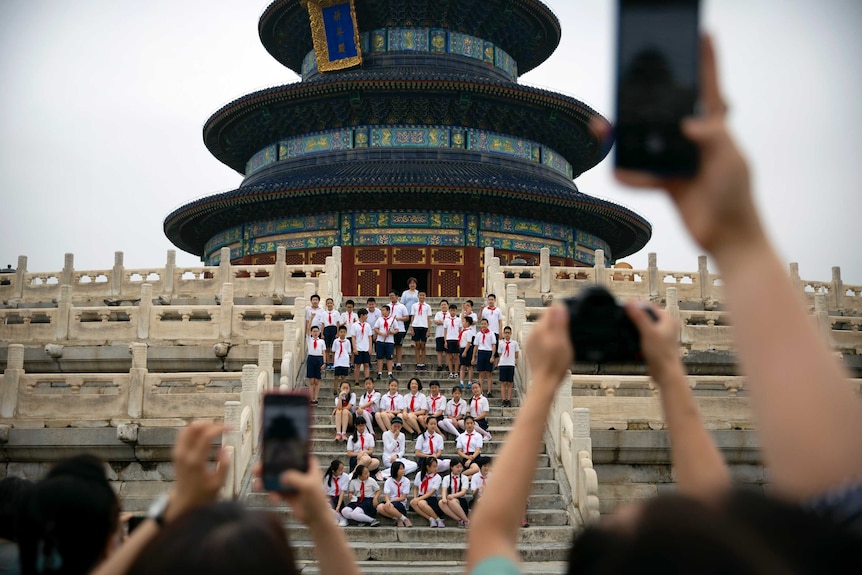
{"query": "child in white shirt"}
[(395, 491), (508, 352), (456, 409), (440, 334), (453, 498), (314, 363), (365, 494), (335, 482)]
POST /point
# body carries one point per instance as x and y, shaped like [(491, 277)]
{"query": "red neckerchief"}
[(457, 405), (431, 444), (507, 348), (452, 317), (330, 317), (420, 308), (476, 399), (315, 344), (362, 440), (340, 347), (434, 403), (457, 484), (337, 491), (398, 486), (391, 403), (386, 325), (484, 333), (424, 487), (460, 333), (412, 403), (469, 438), (362, 492)]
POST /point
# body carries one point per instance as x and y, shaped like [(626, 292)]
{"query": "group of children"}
[(349, 337)]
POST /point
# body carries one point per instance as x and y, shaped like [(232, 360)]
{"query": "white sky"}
[(103, 104)]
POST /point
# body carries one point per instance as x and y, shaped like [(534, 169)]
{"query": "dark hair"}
[(482, 460), (353, 430), (369, 378), (317, 327), (433, 382), (386, 307), (357, 472), (453, 306), (469, 301), (330, 471), (222, 538), (490, 295), (314, 296), (414, 280), (746, 533), (342, 327), (15, 495), (371, 299), (395, 293), (361, 312), (393, 471), (456, 388), (72, 515), (349, 302), (466, 417), (446, 301), (418, 382), (329, 299), (426, 463), (468, 319), (507, 328)]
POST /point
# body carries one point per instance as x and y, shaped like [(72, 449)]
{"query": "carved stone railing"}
[(121, 284)]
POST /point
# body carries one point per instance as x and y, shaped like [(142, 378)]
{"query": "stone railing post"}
[(489, 255), (225, 270), (117, 274), (600, 270), (545, 270), (299, 305), (145, 310), (821, 315), (562, 403), (493, 273), (137, 379), (652, 275), (20, 274), (279, 273), (337, 269), (264, 360), (703, 275), (308, 290), (170, 271), (581, 426), (64, 313), (68, 269), (323, 287), (837, 288), (499, 285), (226, 312), (673, 303), (11, 378), (249, 397), (232, 439), (511, 298)]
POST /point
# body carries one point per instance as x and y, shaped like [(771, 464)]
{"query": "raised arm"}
[(809, 420), (698, 467), (497, 519)]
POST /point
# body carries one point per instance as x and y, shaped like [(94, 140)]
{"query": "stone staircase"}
[(386, 549)]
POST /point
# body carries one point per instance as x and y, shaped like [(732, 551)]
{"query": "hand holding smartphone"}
[(286, 424), (658, 79)]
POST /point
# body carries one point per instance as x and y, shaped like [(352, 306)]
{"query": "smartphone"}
[(658, 80), (286, 426)]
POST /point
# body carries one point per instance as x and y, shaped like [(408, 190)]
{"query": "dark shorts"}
[(384, 350), (483, 361), (362, 357), (483, 423), (330, 332), (399, 338), (507, 373), (420, 334), (367, 506), (462, 502), (440, 344), (333, 501), (399, 505), (466, 360), (342, 371), (435, 505), (312, 366), (452, 346), (464, 463)]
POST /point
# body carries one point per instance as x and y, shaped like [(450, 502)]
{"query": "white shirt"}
[(494, 317), (475, 409), (341, 350), (316, 350), (413, 403), (391, 402), (465, 337), (435, 404), (475, 318), (423, 441), (351, 401), (455, 483), (357, 446), (374, 398), (312, 317), (507, 357), (393, 445), (348, 319), (373, 316), (340, 480), (329, 318), (433, 484), (485, 341), (355, 488), (477, 481), (457, 410), (452, 326), (475, 442), (440, 330), (397, 310), (420, 317), (361, 332), (391, 487), (385, 324)]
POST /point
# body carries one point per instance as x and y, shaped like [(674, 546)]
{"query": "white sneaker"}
[(342, 522), (489, 438), (433, 522), (440, 523)]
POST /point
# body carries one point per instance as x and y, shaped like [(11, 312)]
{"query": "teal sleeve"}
[(496, 566)]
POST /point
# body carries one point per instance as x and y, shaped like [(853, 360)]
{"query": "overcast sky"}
[(103, 104)]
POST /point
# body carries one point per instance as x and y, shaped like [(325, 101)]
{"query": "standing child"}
[(478, 407), (419, 314), (453, 329), (348, 319), (314, 363), (453, 498), (400, 314), (468, 311), (365, 494), (456, 409), (465, 342), (312, 315), (395, 492), (484, 344), (415, 409), (507, 353), (361, 333), (360, 447), (341, 352), (469, 446), (345, 404), (440, 334), (385, 329), (425, 489), (335, 482), (373, 311), (389, 406), (368, 404), (493, 314), (329, 318)]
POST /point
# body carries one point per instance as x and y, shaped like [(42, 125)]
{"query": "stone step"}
[(437, 567), (386, 533), (536, 503), (406, 552)]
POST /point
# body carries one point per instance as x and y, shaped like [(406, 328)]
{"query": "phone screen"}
[(285, 436), (658, 75)]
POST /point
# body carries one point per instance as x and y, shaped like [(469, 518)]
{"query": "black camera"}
[(600, 329)]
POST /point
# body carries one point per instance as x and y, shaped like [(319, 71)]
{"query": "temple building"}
[(410, 144)]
